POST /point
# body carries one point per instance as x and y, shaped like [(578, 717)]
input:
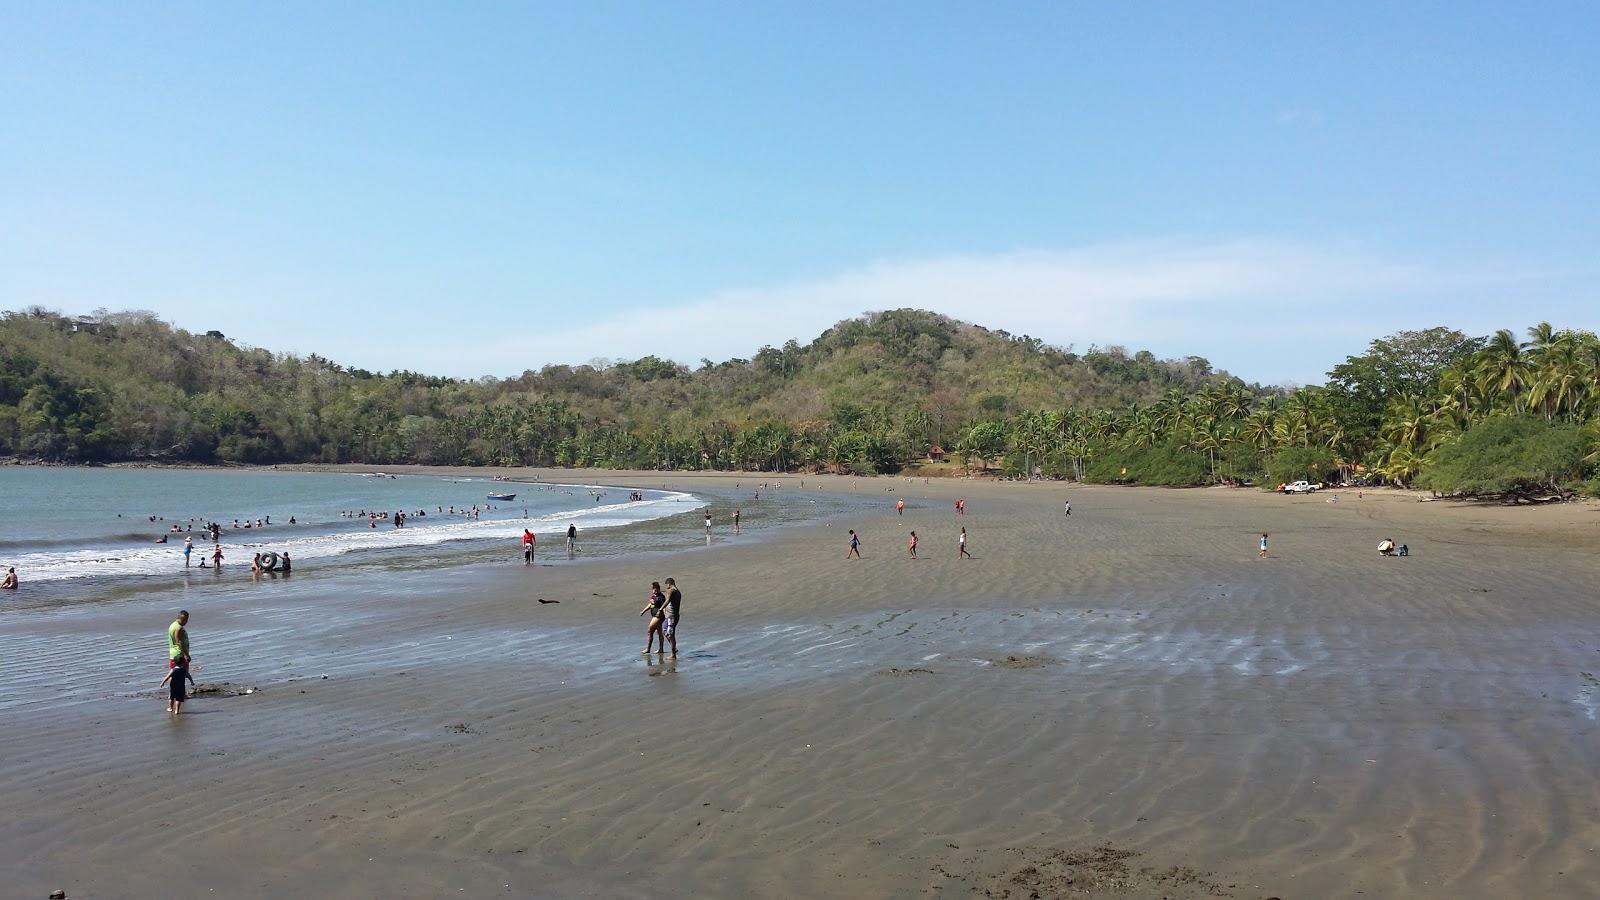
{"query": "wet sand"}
[(1127, 702)]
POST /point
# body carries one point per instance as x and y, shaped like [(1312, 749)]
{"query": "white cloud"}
[(1299, 116), (1246, 297)]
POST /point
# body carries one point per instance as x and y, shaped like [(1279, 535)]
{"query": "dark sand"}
[(1126, 703)]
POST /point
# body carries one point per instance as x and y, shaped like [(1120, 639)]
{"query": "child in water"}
[(176, 676)]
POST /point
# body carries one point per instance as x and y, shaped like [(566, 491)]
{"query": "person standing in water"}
[(176, 694), (572, 539), (178, 640), (656, 609), (708, 521), (10, 582), (188, 548), (736, 521), (670, 628)]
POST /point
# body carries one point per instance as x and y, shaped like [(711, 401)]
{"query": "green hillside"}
[(872, 394)]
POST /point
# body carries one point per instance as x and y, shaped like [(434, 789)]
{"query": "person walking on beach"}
[(963, 544), (178, 640), (527, 545), (1263, 545), (1066, 507), (572, 540), (669, 629), (176, 677), (913, 547), (656, 608), (855, 546), (708, 521), (736, 521), (899, 507), (188, 548)]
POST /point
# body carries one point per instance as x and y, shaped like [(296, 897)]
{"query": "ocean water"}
[(79, 534), (102, 525)]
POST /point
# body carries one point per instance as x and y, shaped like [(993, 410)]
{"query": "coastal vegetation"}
[(1434, 409)]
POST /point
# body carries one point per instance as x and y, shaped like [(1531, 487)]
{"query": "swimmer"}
[(10, 582)]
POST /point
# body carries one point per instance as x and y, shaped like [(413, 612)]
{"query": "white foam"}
[(420, 533)]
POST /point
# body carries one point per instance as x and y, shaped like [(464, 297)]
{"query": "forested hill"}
[(128, 386), (1434, 408)]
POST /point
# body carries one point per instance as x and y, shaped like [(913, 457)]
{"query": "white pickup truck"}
[(1300, 487)]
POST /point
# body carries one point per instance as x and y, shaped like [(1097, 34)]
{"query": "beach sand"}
[(1124, 703)]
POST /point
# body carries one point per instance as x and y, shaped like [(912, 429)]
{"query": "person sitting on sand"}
[(10, 582), (1386, 547)]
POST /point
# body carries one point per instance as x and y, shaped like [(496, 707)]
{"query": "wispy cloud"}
[(1226, 300), (1299, 116)]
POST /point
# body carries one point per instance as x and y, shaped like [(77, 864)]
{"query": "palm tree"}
[(1558, 380), (1503, 368)]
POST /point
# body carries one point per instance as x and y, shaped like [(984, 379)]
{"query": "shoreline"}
[(1315, 723), (553, 475)]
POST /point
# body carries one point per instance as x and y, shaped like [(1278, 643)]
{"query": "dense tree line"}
[(1435, 409), (871, 394)]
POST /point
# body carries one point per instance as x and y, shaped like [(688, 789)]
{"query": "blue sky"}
[(480, 189)]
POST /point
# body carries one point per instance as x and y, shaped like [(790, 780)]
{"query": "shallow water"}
[(91, 533)]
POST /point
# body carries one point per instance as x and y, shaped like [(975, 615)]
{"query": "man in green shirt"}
[(178, 640)]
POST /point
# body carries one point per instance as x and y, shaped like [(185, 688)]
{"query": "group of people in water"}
[(530, 542), (264, 561)]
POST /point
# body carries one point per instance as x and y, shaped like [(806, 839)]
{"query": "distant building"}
[(936, 454)]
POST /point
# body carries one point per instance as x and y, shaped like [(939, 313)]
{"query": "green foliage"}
[(1410, 363), (870, 394), (986, 440), (1513, 456), (1292, 464), (1169, 464)]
